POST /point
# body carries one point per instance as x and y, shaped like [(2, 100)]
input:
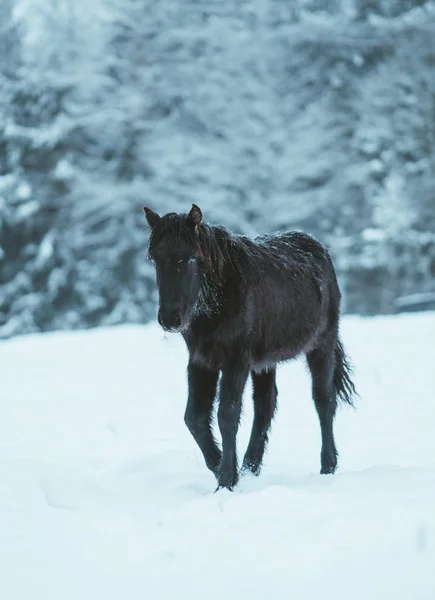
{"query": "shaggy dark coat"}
[(243, 306)]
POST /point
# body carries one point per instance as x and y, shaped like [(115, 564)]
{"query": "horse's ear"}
[(151, 216), (195, 216)]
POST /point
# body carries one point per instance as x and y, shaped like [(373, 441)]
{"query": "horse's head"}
[(175, 250)]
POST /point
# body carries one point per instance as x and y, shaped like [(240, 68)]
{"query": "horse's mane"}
[(222, 251)]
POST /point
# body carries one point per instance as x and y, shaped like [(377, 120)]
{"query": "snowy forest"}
[(269, 114)]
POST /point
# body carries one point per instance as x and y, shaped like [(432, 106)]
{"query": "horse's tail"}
[(343, 384)]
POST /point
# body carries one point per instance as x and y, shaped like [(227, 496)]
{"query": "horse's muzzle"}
[(170, 319)]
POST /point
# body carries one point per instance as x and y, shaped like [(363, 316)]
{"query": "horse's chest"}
[(213, 349), (209, 352)]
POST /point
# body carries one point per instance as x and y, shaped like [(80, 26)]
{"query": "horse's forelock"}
[(208, 242), (171, 226)]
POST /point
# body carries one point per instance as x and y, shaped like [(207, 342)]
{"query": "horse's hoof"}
[(249, 468), (227, 481), (328, 470), (230, 488)]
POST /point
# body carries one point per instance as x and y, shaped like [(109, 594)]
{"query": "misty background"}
[(270, 115)]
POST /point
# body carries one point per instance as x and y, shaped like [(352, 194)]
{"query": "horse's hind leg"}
[(321, 364), (202, 391), (265, 395)]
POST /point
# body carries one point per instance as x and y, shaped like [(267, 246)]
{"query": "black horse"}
[(243, 306)]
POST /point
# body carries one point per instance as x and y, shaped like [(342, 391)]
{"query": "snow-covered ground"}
[(103, 493)]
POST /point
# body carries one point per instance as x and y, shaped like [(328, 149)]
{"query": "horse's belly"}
[(264, 360)]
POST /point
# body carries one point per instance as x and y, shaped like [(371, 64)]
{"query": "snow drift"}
[(103, 493)]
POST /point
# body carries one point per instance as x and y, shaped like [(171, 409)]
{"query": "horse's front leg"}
[(202, 384), (230, 405)]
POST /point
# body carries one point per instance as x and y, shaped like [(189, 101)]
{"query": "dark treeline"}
[(315, 115)]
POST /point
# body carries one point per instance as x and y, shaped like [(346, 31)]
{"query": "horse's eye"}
[(187, 260)]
